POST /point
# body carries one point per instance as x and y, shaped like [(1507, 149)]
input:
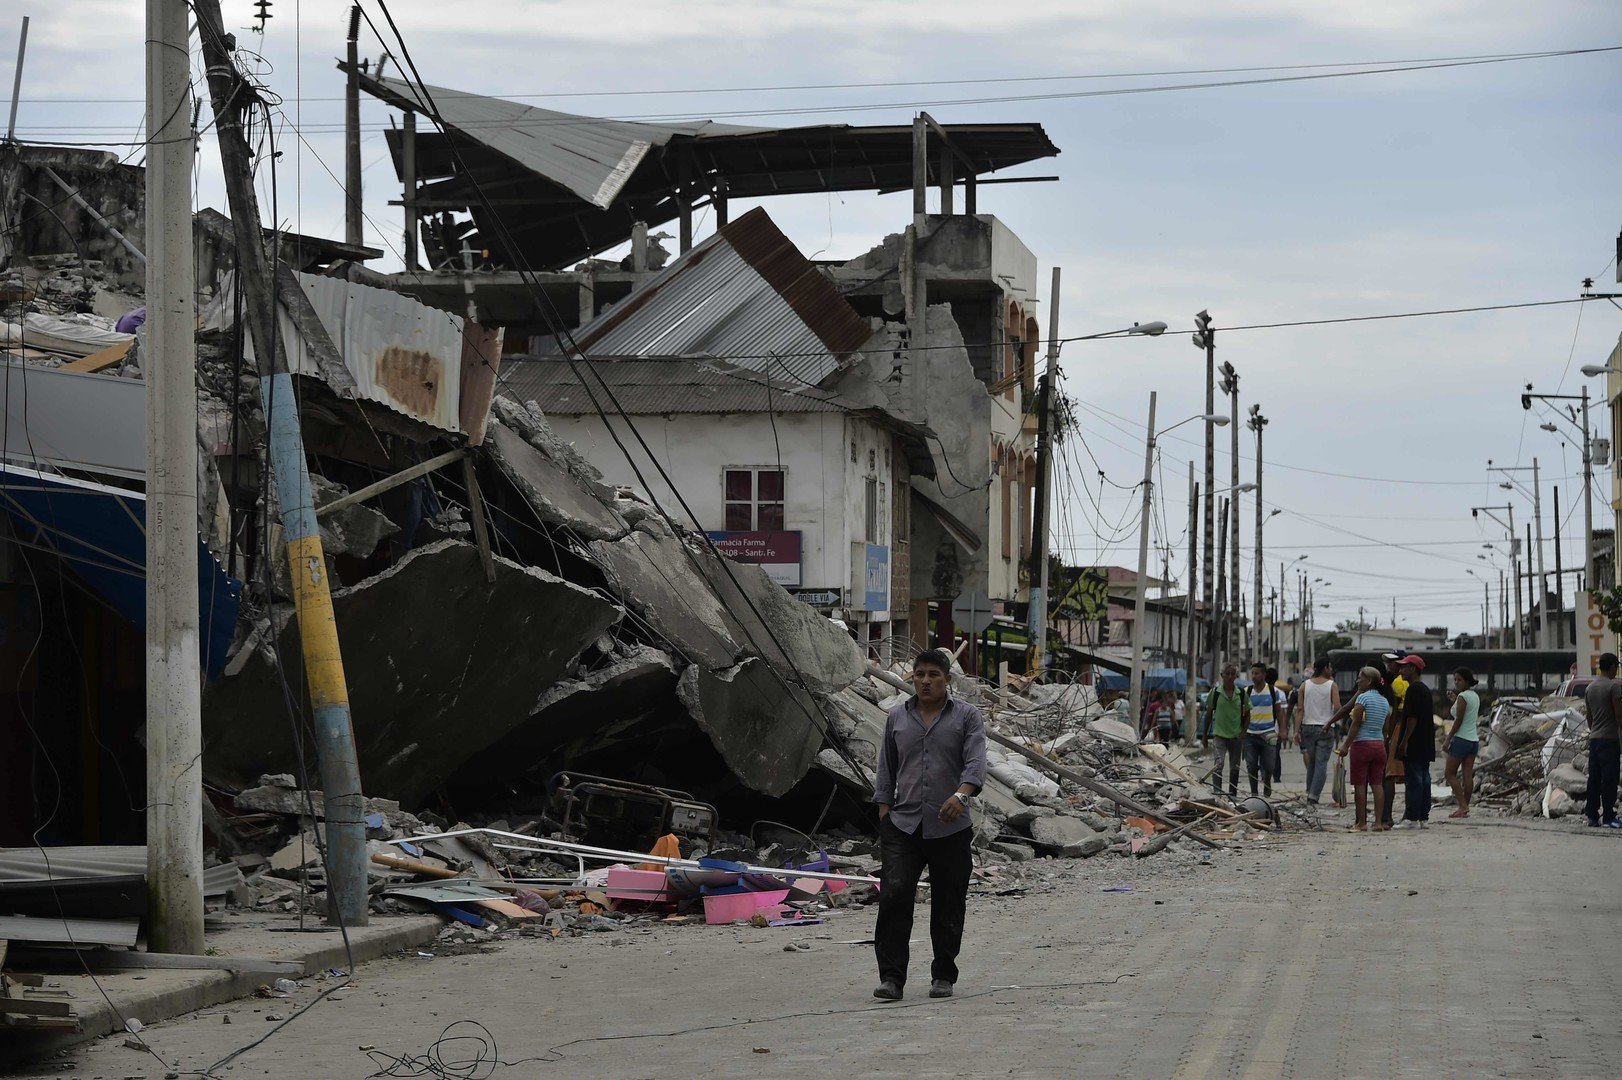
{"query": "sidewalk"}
[(152, 995)]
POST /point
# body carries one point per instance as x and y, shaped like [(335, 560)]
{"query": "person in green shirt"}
[(1230, 713)]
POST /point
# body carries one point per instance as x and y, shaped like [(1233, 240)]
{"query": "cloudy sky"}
[(1458, 187)]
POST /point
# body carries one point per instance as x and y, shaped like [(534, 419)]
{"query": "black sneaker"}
[(1592, 823), (888, 990), (940, 988)]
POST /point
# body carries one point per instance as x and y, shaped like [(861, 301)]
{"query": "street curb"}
[(193, 990)]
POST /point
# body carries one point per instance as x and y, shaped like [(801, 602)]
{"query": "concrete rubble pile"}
[(61, 311), (1534, 758), (1026, 811)]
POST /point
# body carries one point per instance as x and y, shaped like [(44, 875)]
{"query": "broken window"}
[(870, 519), (754, 500)]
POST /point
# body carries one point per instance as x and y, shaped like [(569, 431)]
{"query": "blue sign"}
[(876, 591)]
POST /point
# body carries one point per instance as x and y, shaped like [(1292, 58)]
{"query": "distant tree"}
[(1327, 642)]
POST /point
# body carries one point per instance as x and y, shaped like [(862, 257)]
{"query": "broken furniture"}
[(629, 815)]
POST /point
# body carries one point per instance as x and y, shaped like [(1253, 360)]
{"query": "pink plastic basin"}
[(740, 907)]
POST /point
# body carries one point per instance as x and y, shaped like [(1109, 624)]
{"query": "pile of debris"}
[(1533, 757), (57, 311)]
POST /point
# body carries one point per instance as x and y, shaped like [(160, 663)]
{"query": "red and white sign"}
[(778, 553)]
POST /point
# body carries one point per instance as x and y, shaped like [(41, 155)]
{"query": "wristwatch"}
[(960, 797)]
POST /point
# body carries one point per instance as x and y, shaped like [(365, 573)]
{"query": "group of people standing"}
[(1386, 734)]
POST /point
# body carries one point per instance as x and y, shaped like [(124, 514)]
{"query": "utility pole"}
[(1588, 473), (1230, 386), (1362, 621), (174, 707), (1256, 423), (1205, 338), (1141, 594), (1559, 590), (352, 196), (17, 78), (1219, 616), (1543, 581), (1036, 616), (1190, 692), (233, 98)]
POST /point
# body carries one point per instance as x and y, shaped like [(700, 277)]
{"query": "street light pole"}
[(1190, 631), (1141, 594)]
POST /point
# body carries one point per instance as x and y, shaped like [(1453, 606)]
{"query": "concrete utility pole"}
[(1190, 692), (1230, 386), (1205, 338), (1256, 422), (233, 98), (1037, 611), (1219, 614), (352, 194), (1140, 594), (174, 681), (1543, 580)]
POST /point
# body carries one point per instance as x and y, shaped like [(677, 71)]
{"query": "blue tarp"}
[(1159, 678), (101, 532)]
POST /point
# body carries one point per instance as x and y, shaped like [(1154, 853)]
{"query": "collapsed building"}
[(512, 597)]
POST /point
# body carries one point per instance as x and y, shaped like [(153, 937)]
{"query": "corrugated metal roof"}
[(591, 157), (746, 294), (657, 388), (401, 352)]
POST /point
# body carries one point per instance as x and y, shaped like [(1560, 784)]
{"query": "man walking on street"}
[(1229, 708), (932, 760), (1604, 700), (1316, 702), (1416, 743), (1261, 731)]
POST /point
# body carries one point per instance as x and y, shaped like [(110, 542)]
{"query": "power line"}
[(673, 91), (670, 118)]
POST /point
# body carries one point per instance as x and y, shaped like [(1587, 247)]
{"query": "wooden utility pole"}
[(353, 233), (174, 710), (1037, 613), (234, 99)]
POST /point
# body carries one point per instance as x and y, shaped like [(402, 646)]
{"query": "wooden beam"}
[(100, 361), (481, 531), (389, 483)]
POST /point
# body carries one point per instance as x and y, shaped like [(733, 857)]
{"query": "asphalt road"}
[(1486, 948)]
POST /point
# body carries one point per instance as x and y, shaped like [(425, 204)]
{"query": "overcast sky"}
[(1457, 187)]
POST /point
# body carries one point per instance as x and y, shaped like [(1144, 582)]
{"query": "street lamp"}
[(1527, 398), (1135, 690)]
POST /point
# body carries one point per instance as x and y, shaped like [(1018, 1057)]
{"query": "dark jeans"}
[(1604, 763), (904, 858), (1416, 778), (1261, 757)]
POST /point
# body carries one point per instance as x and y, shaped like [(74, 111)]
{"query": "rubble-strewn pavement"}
[(1437, 954)]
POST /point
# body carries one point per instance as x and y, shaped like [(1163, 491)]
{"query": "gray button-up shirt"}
[(920, 767)]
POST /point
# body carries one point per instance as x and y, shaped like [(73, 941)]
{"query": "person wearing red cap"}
[(1415, 743)]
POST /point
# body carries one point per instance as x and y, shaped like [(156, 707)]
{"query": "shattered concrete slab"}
[(593, 712), (354, 530), (558, 497), (767, 732), (656, 579), (791, 636), (440, 664)]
